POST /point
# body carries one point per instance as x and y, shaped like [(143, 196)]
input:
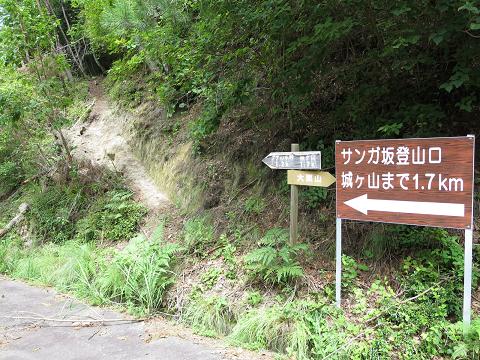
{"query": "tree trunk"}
[(19, 217), (102, 69), (66, 148), (75, 57)]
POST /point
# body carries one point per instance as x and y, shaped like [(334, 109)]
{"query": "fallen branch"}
[(84, 116), (87, 321), (35, 177), (23, 208)]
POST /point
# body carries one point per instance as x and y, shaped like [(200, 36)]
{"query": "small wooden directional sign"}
[(310, 178), (298, 160), (407, 181)]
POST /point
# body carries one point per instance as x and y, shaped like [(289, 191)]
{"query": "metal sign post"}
[(338, 270), (467, 278)]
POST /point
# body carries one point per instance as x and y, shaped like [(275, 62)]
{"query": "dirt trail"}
[(101, 140)]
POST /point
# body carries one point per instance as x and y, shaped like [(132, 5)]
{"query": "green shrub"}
[(350, 271), (254, 298), (438, 268), (465, 346), (113, 217), (276, 261), (52, 212), (314, 196), (210, 277), (227, 251), (10, 176)]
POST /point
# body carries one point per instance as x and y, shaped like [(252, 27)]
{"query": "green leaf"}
[(470, 8), (475, 26), (438, 38), (458, 79), (400, 11)]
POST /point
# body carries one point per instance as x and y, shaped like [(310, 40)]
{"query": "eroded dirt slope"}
[(100, 139)]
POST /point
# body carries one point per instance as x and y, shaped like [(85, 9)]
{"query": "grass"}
[(136, 277), (209, 316), (139, 275)]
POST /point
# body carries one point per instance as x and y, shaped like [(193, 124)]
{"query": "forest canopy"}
[(321, 69)]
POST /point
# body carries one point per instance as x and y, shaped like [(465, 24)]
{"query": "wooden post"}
[(294, 207)]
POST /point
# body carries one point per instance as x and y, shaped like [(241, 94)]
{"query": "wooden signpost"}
[(299, 160), (293, 191), (299, 165), (310, 178), (426, 182)]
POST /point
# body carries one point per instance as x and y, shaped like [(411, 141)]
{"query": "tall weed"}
[(140, 274)]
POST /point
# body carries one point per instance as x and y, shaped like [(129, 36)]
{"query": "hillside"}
[(135, 133)]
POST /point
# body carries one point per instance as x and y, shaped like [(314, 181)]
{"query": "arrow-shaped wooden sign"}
[(301, 160), (363, 204), (310, 178)]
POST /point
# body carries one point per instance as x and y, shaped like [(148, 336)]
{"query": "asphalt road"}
[(24, 337)]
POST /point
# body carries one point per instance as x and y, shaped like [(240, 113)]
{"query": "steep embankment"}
[(101, 140)]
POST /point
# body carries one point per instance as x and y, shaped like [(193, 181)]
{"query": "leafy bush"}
[(11, 166), (314, 196), (115, 216), (254, 298), (210, 277), (350, 270), (52, 211), (439, 267), (465, 346), (276, 261), (9, 176)]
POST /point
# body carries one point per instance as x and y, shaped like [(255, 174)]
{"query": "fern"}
[(264, 256), (276, 262)]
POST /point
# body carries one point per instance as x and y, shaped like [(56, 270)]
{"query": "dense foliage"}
[(310, 71), (358, 68)]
